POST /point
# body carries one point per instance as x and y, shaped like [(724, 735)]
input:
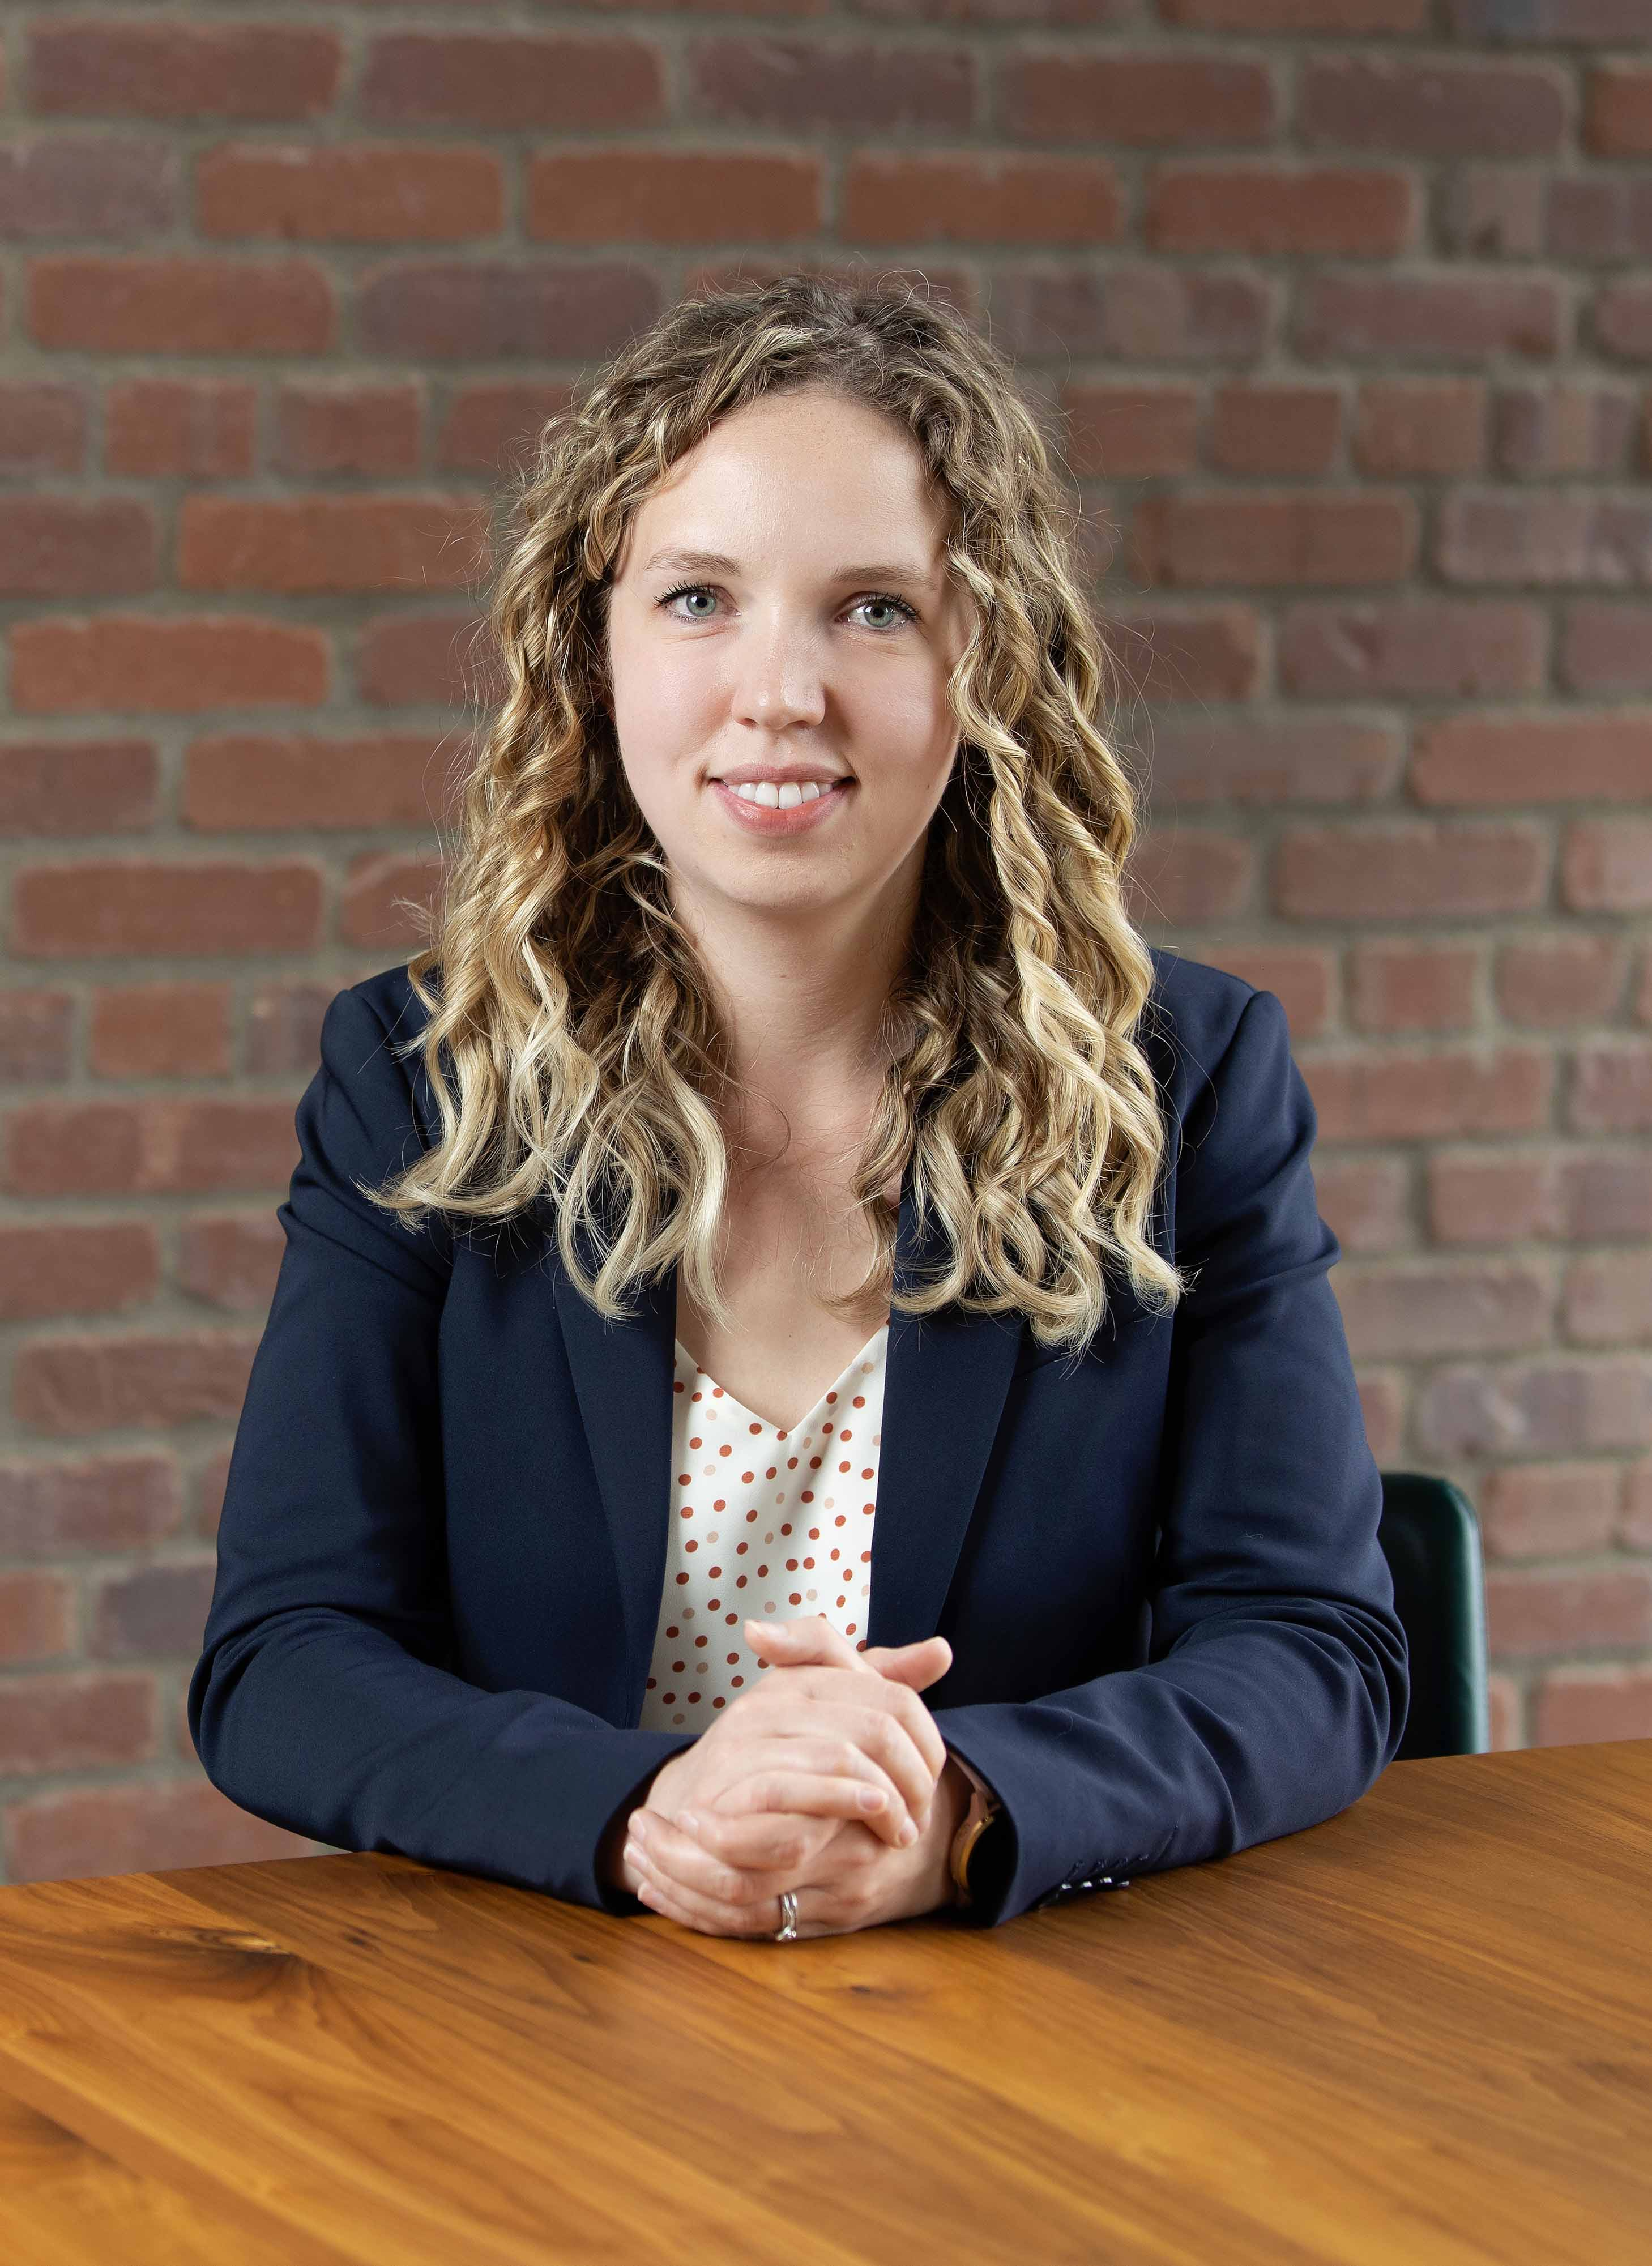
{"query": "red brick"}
[(1423, 1308), (75, 1722), (77, 786), (69, 1384), (284, 1027), (158, 1826), (348, 193), (1362, 1199), (168, 663), (1164, 101), (1265, 759), (160, 1030), (1415, 987), (110, 185), (1570, 23), (1575, 754), (1618, 108), (1607, 1298), (893, 198), (684, 196), (1206, 653), (1611, 1087), (1383, 1094), (1261, 540), (1395, 317), (387, 901), (1486, 536), (1275, 430), (37, 1616), (182, 70), (1549, 1510), (1636, 1531), (57, 546), (418, 660), (156, 1144), (1150, 312), (1382, 1403), (231, 1263), (238, 780), (36, 1036), (1555, 983), (189, 428), (1130, 432), (480, 310), (1606, 646), (1299, 977), (1266, 210), (1575, 1709), (1606, 865), (67, 1267), (144, 1610), (1412, 427), (42, 427), (369, 430), (498, 80), (1291, 16), (164, 305), (796, 85), (1622, 320), (1568, 1612), (328, 543), (1542, 430), (109, 907), (1570, 1405), (1426, 106), (1592, 217), (1504, 1196), (491, 428), (1437, 650), (1607, 1193), (1410, 871), (1493, 212), (98, 1504), (1185, 877)]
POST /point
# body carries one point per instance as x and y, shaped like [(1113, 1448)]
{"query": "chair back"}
[(1430, 1538)]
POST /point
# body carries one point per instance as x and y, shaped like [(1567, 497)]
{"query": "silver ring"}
[(786, 1933)]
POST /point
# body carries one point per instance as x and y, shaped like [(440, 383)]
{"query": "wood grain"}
[(1421, 2031)]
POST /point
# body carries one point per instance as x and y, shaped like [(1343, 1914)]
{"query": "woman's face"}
[(780, 612)]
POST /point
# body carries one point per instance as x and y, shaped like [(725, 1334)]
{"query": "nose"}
[(778, 681)]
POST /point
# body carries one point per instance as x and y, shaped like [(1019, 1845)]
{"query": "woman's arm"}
[(322, 1699), (1277, 1679)]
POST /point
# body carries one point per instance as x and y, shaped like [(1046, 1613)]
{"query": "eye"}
[(906, 612)]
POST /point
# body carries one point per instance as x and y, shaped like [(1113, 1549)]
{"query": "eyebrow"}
[(719, 562)]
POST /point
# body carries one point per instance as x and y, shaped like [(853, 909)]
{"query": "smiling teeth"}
[(780, 798)]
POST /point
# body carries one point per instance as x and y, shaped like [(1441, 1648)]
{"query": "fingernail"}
[(908, 1834), (873, 1797), (768, 1627), (686, 1819)]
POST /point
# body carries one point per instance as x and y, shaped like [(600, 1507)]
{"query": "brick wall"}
[(1345, 304)]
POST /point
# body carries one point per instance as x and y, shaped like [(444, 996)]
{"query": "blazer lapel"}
[(946, 1382)]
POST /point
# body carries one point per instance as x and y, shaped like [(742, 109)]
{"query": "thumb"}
[(917, 1666)]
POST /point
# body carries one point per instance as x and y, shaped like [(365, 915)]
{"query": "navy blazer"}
[(444, 1529)]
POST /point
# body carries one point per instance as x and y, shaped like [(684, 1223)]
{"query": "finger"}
[(662, 1890), (890, 1723), (681, 1859), (794, 1743), (762, 1806), (813, 1637), (916, 1665)]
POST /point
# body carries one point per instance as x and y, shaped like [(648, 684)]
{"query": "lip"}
[(758, 819)]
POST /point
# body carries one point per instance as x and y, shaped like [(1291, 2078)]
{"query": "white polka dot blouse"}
[(765, 1523)]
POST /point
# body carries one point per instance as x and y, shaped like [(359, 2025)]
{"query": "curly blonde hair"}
[(571, 1040)]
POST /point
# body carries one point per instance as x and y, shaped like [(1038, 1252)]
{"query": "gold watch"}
[(984, 1806)]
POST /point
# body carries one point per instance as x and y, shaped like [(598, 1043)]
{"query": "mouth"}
[(796, 806)]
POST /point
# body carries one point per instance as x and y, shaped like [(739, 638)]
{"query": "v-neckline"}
[(783, 1431)]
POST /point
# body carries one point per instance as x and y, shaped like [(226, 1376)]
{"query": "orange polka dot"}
[(697, 1444), (859, 1400), (736, 1679), (754, 1428)]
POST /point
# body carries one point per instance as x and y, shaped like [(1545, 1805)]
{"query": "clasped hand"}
[(828, 1777)]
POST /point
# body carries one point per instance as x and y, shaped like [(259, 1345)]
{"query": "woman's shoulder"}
[(1192, 1015)]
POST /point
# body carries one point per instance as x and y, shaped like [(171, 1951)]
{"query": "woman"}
[(787, 1205)]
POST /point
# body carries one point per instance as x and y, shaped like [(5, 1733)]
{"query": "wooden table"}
[(1421, 2031)]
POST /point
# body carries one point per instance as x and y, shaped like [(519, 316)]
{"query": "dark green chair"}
[(1430, 1538)]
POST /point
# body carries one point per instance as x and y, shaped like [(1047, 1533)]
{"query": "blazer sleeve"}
[(1277, 1679), (322, 1699)]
